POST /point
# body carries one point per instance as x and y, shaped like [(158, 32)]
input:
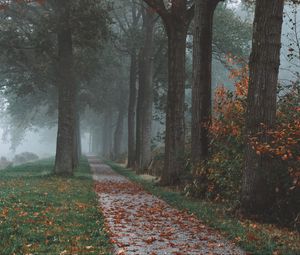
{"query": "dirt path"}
[(140, 223)]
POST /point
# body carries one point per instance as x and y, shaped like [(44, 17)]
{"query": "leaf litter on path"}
[(140, 223)]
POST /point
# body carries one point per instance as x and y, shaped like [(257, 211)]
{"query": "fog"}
[(41, 143), (41, 140)]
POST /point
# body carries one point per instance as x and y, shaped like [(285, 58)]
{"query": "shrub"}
[(220, 177), (4, 163), (25, 157)]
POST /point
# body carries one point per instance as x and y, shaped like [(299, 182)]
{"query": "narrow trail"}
[(140, 223)]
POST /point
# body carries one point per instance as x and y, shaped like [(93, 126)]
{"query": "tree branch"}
[(159, 7)]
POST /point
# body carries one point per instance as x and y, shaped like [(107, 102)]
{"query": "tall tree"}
[(145, 93), (264, 67), (201, 89), (107, 134), (77, 139), (132, 107), (177, 15), (64, 160), (128, 21), (38, 69), (119, 131)]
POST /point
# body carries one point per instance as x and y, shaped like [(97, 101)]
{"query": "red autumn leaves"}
[(139, 223)]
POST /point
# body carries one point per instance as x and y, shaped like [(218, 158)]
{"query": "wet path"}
[(140, 223)]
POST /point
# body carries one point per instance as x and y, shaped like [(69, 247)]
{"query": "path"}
[(140, 223)]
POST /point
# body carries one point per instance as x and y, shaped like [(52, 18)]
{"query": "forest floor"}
[(140, 223), (256, 238)]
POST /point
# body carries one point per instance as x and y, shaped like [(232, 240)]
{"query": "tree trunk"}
[(64, 164), (177, 20), (118, 135), (257, 191), (91, 141), (175, 140), (77, 142), (201, 89), (145, 96), (131, 110), (107, 135), (96, 140)]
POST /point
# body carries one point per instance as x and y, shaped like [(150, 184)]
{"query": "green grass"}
[(44, 214), (255, 238)]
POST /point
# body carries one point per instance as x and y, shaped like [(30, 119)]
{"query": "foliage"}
[(235, 38), (227, 127), (28, 55), (284, 140), (45, 214), (282, 146), (220, 177)]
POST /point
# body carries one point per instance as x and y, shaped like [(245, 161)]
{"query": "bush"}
[(157, 164), (24, 158), (221, 176), (4, 163)]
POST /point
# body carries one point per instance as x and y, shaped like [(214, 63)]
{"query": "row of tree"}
[(74, 56), (264, 68)]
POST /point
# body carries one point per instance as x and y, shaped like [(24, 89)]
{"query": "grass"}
[(254, 238), (44, 214)]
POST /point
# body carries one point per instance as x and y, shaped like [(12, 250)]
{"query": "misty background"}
[(42, 141)]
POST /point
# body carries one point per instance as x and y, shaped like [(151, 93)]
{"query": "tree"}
[(132, 108), (145, 93), (129, 20), (176, 16), (47, 61), (261, 113), (107, 91), (118, 134), (201, 90), (64, 159)]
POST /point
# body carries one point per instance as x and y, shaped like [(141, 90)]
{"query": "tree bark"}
[(145, 96), (107, 145), (257, 190), (90, 141), (96, 140), (64, 164), (131, 110), (175, 133), (77, 142), (177, 19), (118, 135), (201, 89)]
